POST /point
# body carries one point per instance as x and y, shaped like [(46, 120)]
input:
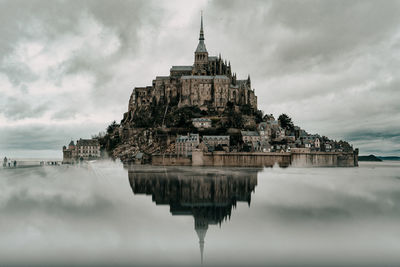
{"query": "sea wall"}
[(245, 159), (170, 160), (261, 159)]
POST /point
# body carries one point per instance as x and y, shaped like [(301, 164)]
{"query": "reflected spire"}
[(201, 227), (201, 234)]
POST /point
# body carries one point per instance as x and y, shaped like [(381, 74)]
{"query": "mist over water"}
[(103, 214)]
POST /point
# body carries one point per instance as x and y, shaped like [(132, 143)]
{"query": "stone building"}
[(317, 143), (252, 139), (69, 153), (201, 123), (265, 131), (185, 144), (216, 140), (208, 84), (250, 136), (83, 150), (88, 148)]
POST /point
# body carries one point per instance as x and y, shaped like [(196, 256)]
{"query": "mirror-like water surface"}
[(103, 214)]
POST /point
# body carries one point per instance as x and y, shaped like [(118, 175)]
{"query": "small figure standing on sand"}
[(5, 162)]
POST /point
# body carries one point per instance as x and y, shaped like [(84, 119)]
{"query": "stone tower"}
[(201, 54)]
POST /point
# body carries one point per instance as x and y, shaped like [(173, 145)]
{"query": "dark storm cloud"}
[(331, 65), (303, 32), (364, 135), (46, 22), (56, 61)]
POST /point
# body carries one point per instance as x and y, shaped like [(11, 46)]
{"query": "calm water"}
[(103, 214)]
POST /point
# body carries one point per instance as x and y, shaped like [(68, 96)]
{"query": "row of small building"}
[(85, 149), (268, 137)]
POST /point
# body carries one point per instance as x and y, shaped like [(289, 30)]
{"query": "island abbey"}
[(202, 115), (208, 84)]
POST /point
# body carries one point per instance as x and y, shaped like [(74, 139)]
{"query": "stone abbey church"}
[(208, 84)]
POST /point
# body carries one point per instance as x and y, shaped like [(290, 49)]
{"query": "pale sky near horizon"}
[(67, 68)]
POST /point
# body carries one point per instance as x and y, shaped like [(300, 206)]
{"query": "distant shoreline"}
[(378, 158)]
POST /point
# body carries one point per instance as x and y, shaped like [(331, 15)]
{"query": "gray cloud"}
[(20, 108), (24, 202), (331, 65), (45, 137)]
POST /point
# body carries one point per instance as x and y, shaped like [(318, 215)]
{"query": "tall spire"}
[(201, 47), (201, 28)]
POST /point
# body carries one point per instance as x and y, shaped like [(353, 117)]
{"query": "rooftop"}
[(162, 77), (249, 133), (87, 142), (205, 77), (186, 138), (202, 120), (181, 68), (215, 137)]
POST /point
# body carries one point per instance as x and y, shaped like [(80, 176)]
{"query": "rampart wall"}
[(261, 159)]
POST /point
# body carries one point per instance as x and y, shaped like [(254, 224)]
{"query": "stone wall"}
[(324, 159), (243, 159), (261, 159), (170, 160)]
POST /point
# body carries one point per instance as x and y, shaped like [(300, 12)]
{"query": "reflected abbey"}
[(206, 194)]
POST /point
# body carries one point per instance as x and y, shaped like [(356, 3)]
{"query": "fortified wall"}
[(261, 159)]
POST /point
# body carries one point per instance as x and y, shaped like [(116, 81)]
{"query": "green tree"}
[(286, 122), (112, 126), (258, 116)]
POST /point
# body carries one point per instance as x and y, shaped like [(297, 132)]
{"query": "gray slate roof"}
[(201, 47), (162, 78), (249, 133), (215, 137), (221, 77), (209, 77), (240, 82), (205, 77), (185, 138), (87, 142), (201, 120), (181, 68)]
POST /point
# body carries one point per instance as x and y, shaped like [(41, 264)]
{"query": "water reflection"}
[(206, 194)]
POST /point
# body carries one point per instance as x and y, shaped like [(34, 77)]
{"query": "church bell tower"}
[(201, 54)]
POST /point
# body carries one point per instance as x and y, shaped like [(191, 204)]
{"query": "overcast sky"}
[(67, 68)]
